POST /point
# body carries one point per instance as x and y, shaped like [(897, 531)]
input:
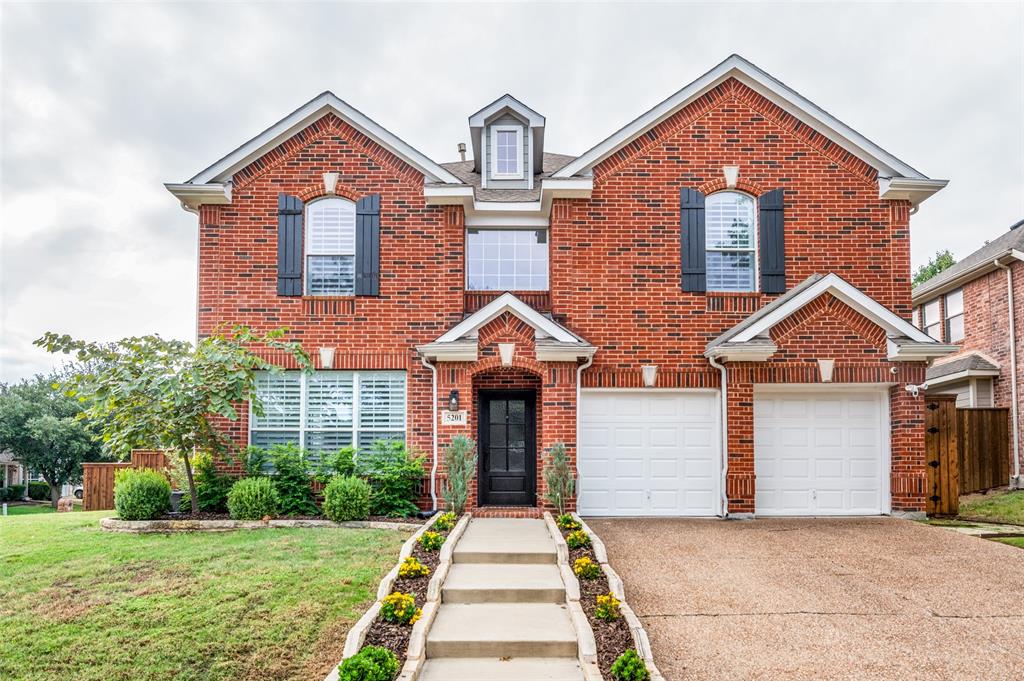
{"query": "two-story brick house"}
[(978, 304), (710, 308)]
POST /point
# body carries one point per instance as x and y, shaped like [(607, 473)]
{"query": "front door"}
[(507, 449)]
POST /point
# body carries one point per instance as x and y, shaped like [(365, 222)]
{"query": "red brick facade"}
[(614, 276)]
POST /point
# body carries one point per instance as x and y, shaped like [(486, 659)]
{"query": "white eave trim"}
[(961, 376), (753, 77), (532, 118), (742, 353), (509, 213), (194, 195), (971, 273), (449, 352), (549, 353), (507, 302), (912, 351), (305, 115), (849, 294), (909, 189)]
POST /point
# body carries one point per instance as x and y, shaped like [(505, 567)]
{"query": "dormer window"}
[(507, 145)]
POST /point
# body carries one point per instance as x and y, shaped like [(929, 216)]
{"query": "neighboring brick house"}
[(978, 304), (736, 231)]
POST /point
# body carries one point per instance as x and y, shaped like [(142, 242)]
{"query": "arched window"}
[(331, 247), (731, 242)]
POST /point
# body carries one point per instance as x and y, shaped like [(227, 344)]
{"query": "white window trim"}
[(306, 241), (518, 130), (938, 322), (754, 251), (946, 317), (303, 430)]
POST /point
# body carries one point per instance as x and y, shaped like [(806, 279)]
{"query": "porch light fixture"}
[(453, 400), (825, 366), (330, 182), (326, 358), (506, 350), (650, 374)]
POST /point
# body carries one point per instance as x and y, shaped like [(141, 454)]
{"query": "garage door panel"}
[(819, 453), (663, 448)]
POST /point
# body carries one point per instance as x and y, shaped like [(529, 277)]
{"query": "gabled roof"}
[(963, 367), (506, 101), (311, 111), (749, 340), (775, 91), (554, 342), (1009, 245)]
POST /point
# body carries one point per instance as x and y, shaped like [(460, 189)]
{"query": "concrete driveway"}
[(873, 598)]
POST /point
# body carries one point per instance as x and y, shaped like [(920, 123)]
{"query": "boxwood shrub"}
[(252, 499), (40, 491), (346, 498), (141, 494), (372, 663)]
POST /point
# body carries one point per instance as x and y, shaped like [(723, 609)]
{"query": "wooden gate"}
[(942, 455), (983, 439), (98, 478)]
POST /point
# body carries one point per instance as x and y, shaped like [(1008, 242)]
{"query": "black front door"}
[(507, 449)]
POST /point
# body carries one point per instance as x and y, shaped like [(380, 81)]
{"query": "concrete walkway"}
[(870, 598), (503, 615)]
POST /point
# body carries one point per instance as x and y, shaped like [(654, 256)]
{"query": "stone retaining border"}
[(416, 653), (169, 526), (640, 640), (584, 633)]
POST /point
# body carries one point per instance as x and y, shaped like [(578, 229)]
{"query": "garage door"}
[(821, 453), (649, 453)]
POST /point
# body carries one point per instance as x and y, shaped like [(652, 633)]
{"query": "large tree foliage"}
[(42, 427), (943, 260), (171, 394)]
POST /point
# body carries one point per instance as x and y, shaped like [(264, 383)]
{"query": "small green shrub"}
[(400, 608), (394, 474), (140, 494), (256, 461), (559, 479), (607, 607), (346, 498), (577, 539), (412, 568), (460, 463), (431, 541), (13, 493), (372, 663), (292, 480), (212, 486), (567, 523), (445, 522), (630, 667), (584, 568), (340, 462), (252, 499), (40, 491)]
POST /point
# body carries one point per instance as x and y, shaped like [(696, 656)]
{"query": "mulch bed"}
[(396, 636), (612, 638), (206, 515)]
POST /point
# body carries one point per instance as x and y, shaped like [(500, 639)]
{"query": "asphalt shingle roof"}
[(968, 363), (464, 171), (1011, 239)]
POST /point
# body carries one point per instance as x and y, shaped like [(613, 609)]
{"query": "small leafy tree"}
[(559, 479), (943, 260), (40, 426), (460, 464), (170, 394)]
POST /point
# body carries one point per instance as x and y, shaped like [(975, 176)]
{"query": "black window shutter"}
[(691, 233), (368, 246), (289, 245), (772, 242)]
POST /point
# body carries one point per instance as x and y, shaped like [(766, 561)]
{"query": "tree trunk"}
[(54, 493), (191, 481)]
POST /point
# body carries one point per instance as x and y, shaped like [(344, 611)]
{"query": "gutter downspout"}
[(433, 430), (579, 393), (725, 432), (1015, 481)]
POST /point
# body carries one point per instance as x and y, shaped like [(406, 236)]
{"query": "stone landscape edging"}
[(357, 634), (165, 526), (615, 585), (587, 645)]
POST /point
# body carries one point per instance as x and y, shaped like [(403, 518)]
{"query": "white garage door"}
[(821, 453), (649, 453)]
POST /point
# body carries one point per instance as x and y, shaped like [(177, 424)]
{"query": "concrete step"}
[(515, 669), (501, 630), (503, 583), (505, 540)]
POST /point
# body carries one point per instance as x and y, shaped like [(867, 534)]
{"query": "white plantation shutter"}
[(281, 395), (329, 400), (729, 234), (332, 227), (381, 406)]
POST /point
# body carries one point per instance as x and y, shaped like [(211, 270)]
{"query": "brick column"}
[(907, 443), (739, 484)]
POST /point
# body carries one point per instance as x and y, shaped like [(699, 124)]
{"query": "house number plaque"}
[(454, 418)]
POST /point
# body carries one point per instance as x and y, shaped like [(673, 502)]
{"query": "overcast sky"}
[(101, 104)]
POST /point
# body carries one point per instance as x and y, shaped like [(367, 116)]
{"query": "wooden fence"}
[(967, 450), (98, 478)]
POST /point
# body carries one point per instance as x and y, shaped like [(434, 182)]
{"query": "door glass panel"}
[(516, 411), (517, 436), (498, 436), (517, 460), (497, 411)]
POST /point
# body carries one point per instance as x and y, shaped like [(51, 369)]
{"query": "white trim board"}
[(507, 302)]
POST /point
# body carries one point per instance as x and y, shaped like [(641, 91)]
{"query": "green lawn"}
[(1006, 507), (76, 602), (32, 509), (1012, 541)]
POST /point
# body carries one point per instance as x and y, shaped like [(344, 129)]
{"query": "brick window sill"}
[(315, 306), (733, 302)]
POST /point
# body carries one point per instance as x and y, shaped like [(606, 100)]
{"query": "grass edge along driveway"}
[(77, 602)]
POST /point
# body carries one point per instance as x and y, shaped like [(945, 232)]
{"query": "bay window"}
[(730, 242), (506, 259), (328, 410)]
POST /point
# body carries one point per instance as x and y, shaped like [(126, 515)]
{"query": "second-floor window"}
[(331, 247), (730, 242), (507, 144), (931, 321), (507, 259), (955, 316)]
